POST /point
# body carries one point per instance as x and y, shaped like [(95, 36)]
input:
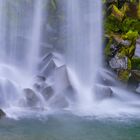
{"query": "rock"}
[(2, 113), (136, 74), (59, 101), (40, 78), (70, 93), (137, 50), (102, 92), (138, 41), (47, 92), (61, 79), (135, 63), (31, 97), (117, 13), (49, 68), (118, 63), (125, 42), (138, 89), (40, 83), (124, 75), (106, 77)]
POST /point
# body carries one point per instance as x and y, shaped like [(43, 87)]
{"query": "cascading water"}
[(84, 62), (84, 41), (20, 37)]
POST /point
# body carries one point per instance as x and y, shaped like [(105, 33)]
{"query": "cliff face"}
[(122, 39)]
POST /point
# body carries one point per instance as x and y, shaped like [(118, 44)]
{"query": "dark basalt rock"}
[(47, 92), (2, 114), (59, 101), (102, 92), (31, 97)]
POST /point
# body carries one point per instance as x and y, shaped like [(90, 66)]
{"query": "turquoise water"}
[(68, 127)]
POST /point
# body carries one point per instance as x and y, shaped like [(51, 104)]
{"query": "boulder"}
[(118, 62), (136, 74), (31, 97), (40, 83), (59, 101), (138, 89), (106, 77), (46, 59), (102, 92), (137, 50), (40, 78), (61, 79), (48, 68), (125, 42), (2, 113), (47, 92), (117, 13)]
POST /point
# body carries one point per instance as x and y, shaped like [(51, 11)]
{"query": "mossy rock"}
[(132, 10), (136, 75), (123, 75), (138, 11), (117, 13), (107, 48), (129, 64), (131, 35), (130, 23), (135, 63), (111, 24)]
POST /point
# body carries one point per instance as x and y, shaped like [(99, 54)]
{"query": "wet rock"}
[(136, 74), (40, 78), (118, 63), (31, 97), (2, 113), (106, 77), (49, 68), (137, 50), (59, 101), (47, 92), (70, 93), (124, 75), (61, 79), (138, 89), (126, 42), (102, 92), (40, 83), (117, 13)]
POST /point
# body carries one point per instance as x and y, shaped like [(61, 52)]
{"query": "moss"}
[(117, 13), (138, 11), (111, 24), (123, 75), (135, 63), (107, 48), (129, 64), (131, 35), (54, 5), (130, 23)]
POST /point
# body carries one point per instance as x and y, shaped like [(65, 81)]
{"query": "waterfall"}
[(33, 56), (84, 45), (20, 37)]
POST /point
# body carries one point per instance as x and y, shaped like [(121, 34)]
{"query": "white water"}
[(33, 56), (84, 61), (84, 45), (20, 37)]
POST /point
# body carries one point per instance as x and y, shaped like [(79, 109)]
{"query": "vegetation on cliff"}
[(121, 34)]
